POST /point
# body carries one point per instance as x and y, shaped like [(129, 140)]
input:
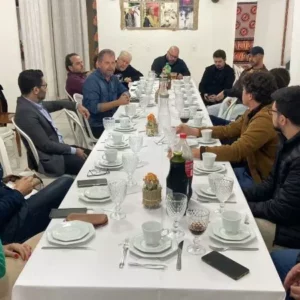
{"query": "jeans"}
[(244, 178), (284, 261), (33, 216), (97, 131), (214, 109), (218, 121)]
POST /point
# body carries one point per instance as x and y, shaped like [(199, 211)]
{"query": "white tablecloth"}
[(94, 275)]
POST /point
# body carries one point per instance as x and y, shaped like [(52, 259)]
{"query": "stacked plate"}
[(95, 194), (125, 129), (70, 233), (192, 142), (191, 123), (218, 233), (204, 142), (204, 192), (102, 163), (199, 169), (135, 116), (165, 248), (111, 144)]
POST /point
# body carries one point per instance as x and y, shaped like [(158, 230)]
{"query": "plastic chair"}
[(4, 159), (225, 105), (69, 96)]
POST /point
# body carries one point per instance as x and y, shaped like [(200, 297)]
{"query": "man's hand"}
[(179, 76), (212, 98), (24, 185), (80, 153), (83, 111), (295, 291), (16, 250), (124, 99), (292, 277), (183, 128), (127, 80), (220, 97), (196, 152)]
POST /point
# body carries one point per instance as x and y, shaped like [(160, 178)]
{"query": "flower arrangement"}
[(151, 191), (151, 182), (151, 126)]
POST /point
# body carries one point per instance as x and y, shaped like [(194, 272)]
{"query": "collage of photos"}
[(160, 14)]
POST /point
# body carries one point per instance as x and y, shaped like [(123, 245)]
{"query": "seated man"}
[(103, 93), (256, 144), (124, 71), (32, 116), (21, 219), (216, 78), (276, 201), (172, 58), (76, 74)]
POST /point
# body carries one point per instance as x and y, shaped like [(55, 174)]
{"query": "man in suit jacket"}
[(32, 116)]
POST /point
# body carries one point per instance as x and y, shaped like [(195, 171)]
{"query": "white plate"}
[(88, 200), (51, 240), (125, 130), (97, 192), (164, 254), (98, 164), (207, 190), (192, 142), (201, 194), (119, 146), (140, 244), (227, 242), (201, 172), (215, 168), (219, 231), (214, 199), (70, 231), (212, 141), (116, 163), (191, 124), (135, 116)]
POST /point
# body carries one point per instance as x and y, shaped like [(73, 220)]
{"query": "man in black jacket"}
[(124, 71), (216, 78), (275, 203)]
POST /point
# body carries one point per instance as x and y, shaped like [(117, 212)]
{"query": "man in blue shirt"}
[(102, 92)]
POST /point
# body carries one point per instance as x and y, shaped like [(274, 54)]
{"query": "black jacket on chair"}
[(43, 135), (277, 199)]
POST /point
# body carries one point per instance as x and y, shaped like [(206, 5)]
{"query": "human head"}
[(256, 56), (286, 110), (219, 57), (107, 62), (123, 61), (32, 85), (74, 63), (172, 55), (282, 77), (257, 88)]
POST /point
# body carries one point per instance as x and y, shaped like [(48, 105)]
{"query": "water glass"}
[(109, 125), (130, 110), (130, 163), (117, 189), (136, 144), (176, 207), (224, 187), (144, 101)]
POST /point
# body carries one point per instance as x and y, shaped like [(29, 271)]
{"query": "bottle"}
[(167, 71), (164, 117)]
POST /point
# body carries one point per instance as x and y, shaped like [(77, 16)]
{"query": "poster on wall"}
[(159, 14)]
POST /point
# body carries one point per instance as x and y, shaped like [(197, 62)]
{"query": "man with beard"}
[(124, 71), (275, 203), (172, 58), (33, 117), (102, 92)]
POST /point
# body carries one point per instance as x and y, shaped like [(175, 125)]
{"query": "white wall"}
[(216, 30), (289, 31), (10, 58)]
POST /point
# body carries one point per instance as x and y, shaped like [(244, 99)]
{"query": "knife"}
[(179, 253), (125, 250)]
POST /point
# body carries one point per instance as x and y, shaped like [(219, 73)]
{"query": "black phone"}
[(91, 182), (61, 213), (225, 265)]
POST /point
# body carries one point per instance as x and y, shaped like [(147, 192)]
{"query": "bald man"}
[(172, 58), (124, 71)]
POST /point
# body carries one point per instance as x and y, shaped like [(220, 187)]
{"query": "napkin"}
[(95, 219)]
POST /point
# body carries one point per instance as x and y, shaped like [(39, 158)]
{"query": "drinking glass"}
[(109, 125), (144, 101), (136, 144), (130, 110), (224, 188), (130, 163), (179, 103), (117, 189), (151, 75), (197, 222), (171, 137), (176, 207), (184, 115)]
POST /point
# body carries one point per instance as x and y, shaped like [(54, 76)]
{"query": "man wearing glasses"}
[(172, 58)]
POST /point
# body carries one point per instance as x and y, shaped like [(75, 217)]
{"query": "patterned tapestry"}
[(160, 14), (244, 31)]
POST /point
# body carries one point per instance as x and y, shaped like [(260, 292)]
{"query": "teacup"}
[(198, 119), (208, 160), (153, 233), (231, 221), (124, 122), (117, 138), (206, 134), (193, 111), (213, 181), (110, 155)]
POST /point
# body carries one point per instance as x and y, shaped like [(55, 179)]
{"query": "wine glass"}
[(136, 144), (171, 137), (184, 115), (197, 221), (130, 110), (224, 188), (144, 101), (130, 163), (117, 189), (176, 207), (109, 125)]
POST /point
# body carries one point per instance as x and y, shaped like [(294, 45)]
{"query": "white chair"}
[(69, 96), (4, 159), (8, 135), (80, 136), (85, 123)]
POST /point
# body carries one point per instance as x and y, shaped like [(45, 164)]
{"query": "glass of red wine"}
[(197, 222), (184, 115)]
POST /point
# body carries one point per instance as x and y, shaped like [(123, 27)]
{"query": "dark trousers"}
[(218, 121), (244, 178), (33, 216), (74, 163), (97, 131)]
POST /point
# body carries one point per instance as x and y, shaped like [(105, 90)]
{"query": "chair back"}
[(69, 96), (7, 170)]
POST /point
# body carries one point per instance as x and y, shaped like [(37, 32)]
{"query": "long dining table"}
[(94, 274)]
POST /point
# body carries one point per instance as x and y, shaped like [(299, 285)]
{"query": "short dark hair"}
[(104, 52), (282, 77), (68, 62), (219, 54), (288, 103), (30, 79), (261, 85), (95, 61)]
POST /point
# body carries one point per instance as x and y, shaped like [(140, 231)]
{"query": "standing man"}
[(124, 71), (102, 92), (172, 58), (216, 78)]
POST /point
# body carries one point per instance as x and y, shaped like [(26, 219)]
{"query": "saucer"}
[(97, 192), (70, 231), (118, 146), (120, 129), (192, 142), (192, 124), (81, 196), (211, 141), (117, 162), (98, 164), (215, 168), (220, 231), (140, 244), (207, 190)]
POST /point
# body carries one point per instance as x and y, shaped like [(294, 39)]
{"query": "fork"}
[(149, 266), (160, 141), (125, 250), (234, 248)]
